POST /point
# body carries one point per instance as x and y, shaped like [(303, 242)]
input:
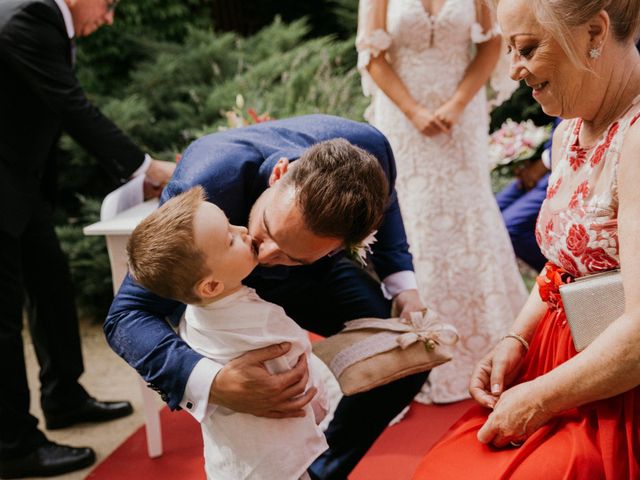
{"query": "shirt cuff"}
[(546, 158), (196, 393), (399, 282), (142, 169)]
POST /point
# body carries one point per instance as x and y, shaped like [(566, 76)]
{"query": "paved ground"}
[(106, 377)]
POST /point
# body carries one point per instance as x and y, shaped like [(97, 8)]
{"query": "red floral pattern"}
[(568, 263), (597, 260), (603, 147), (547, 230), (577, 226), (552, 190), (580, 194), (577, 239), (577, 157)]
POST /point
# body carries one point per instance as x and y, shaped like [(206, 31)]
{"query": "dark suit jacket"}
[(39, 97), (234, 168)]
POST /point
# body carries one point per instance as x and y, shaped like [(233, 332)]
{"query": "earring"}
[(594, 53)]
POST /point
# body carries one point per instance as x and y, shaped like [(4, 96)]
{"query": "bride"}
[(425, 64)]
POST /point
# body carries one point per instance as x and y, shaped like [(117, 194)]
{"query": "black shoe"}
[(90, 411), (47, 460)]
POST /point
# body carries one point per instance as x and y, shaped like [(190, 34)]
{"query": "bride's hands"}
[(426, 122), (449, 113), (495, 371)]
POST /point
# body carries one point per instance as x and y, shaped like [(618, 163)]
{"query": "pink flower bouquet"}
[(515, 143)]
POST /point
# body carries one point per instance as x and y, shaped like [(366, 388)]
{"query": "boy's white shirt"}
[(239, 445), (196, 394)]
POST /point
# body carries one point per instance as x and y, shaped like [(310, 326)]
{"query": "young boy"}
[(188, 251)]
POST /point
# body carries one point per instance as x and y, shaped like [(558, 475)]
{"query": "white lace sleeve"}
[(501, 86), (372, 39)]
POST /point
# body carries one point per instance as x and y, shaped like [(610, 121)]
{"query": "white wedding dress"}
[(465, 265)]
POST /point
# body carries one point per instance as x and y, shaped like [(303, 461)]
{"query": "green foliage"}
[(166, 79), (346, 12), (106, 57), (88, 261), (519, 107), (178, 92)]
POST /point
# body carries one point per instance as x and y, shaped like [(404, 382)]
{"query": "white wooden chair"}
[(120, 213)]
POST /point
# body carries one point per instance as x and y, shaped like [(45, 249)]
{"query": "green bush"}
[(166, 79), (181, 91)]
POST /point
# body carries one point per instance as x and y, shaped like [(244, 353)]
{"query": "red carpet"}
[(393, 457)]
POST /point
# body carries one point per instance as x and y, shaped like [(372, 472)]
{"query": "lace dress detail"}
[(464, 261)]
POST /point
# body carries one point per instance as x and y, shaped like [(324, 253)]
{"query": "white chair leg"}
[(151, 420)]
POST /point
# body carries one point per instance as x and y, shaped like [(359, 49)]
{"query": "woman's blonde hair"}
[(559, 16)]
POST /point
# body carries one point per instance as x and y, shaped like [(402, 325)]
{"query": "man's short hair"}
[(341, 190), (163, 256)]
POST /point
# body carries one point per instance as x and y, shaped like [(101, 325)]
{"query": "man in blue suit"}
[(302, 270)]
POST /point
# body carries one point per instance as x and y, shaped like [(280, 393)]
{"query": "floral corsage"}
[(358, 252)]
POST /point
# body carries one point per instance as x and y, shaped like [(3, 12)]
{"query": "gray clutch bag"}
[(591, 303)]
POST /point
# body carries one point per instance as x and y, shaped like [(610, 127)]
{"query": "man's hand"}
[(406, 302), (245, 385), (159, 172), (531, 173)]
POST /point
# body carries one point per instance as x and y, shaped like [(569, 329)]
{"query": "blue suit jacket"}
[(234, 167)]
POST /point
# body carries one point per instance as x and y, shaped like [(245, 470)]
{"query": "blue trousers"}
[(320, 298), (520, 210)]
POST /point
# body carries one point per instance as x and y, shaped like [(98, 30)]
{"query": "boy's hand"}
[(244, 385)]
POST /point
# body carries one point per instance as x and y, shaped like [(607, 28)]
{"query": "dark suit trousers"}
[(320, 298), (34, 274)]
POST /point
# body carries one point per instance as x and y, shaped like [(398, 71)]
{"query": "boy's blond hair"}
[(162, 253)]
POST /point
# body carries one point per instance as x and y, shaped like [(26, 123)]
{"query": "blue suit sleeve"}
[(138, 329), (391, 250)]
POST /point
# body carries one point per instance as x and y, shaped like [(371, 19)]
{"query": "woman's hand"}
[(449, 113), (426, 122), (497, 369), (515, 417)]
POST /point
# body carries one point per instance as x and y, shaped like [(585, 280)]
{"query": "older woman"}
[(546, 411)]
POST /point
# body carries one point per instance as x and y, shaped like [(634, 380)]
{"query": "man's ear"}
[(208, 288), (281, 167)]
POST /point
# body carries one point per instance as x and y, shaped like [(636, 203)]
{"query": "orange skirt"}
[(600, 440)]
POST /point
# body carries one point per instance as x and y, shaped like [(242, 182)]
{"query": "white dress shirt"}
[(240, 445), (196, 394)]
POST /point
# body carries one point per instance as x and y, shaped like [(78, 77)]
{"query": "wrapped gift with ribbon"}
[(370, 352)]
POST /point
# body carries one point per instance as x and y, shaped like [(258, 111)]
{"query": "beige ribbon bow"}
[(430, 332)]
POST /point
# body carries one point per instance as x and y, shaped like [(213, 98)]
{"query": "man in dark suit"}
[(305, 272), (39, 97)]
